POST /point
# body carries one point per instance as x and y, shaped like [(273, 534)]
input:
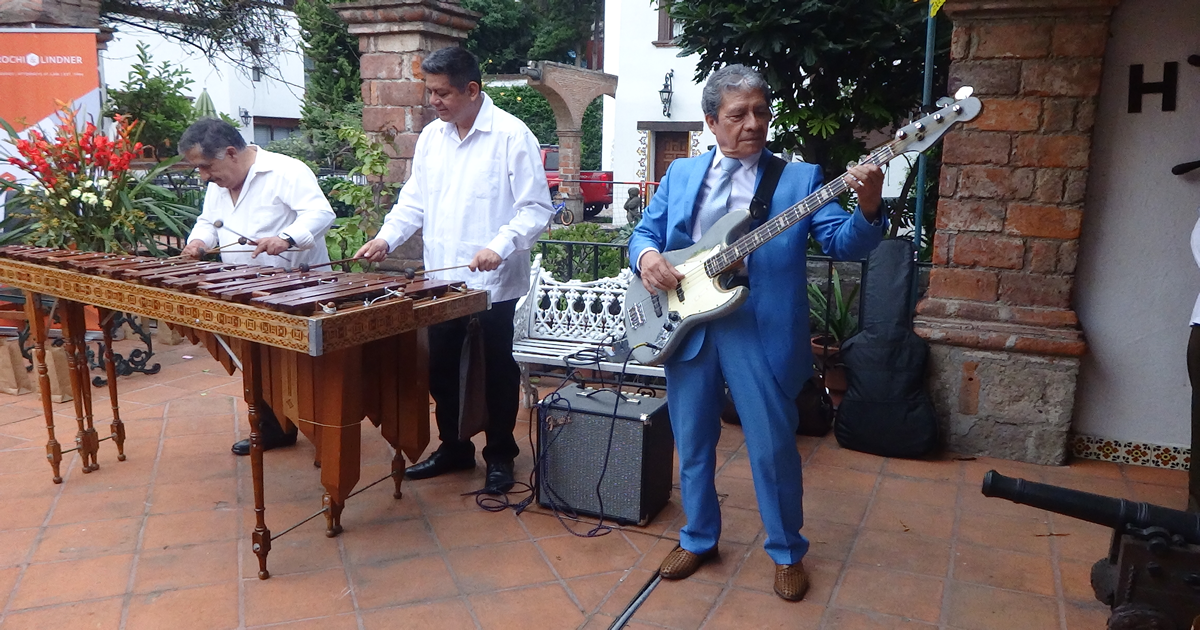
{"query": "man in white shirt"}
[(479, 192), (272, 200)]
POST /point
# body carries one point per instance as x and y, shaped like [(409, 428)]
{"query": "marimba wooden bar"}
[(324, 349)]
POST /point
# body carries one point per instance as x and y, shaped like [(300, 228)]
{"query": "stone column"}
[(394, 37), (55, 13), (570, 90), (69, 13), (1005, 340)]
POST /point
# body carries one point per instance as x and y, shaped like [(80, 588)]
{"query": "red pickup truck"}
[(596, 186)]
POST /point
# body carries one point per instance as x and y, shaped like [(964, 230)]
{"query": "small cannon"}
[(1151, 577)]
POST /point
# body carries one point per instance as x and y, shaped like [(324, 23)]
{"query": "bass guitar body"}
[(657, 322)]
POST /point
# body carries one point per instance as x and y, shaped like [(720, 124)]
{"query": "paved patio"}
[(162, 540)]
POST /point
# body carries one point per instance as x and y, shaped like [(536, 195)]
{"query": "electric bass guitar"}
[(656, 322)]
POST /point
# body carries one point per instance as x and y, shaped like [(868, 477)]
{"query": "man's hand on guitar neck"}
[(866, 180), (657, 273)]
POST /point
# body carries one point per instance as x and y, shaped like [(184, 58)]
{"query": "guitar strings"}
[(839, 183)]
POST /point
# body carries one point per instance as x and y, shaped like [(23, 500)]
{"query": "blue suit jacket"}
[(778, 284)]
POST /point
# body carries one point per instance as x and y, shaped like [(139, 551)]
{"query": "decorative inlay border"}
[(1137, 453), (695, 145), (643, 143), (311, 335)]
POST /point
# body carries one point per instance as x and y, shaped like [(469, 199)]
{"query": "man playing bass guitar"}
[(761, 350)]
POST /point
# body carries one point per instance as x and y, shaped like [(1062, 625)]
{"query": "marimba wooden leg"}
[(73, 328), (37, 327), (399, 380), (118, 427), (252, 388), (339, 414)]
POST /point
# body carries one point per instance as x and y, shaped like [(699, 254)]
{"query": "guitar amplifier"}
[(573, 438)]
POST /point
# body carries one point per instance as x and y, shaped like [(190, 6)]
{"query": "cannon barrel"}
[(1094, 508)]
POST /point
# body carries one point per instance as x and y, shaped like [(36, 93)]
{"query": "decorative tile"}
[(1137, 453)]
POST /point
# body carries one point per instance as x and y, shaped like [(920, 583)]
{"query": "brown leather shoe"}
[(791, 581), (681, 563)]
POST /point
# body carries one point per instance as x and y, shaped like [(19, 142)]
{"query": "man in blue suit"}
[(762, 349)]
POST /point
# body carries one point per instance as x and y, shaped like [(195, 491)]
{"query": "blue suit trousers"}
[(733, 354)]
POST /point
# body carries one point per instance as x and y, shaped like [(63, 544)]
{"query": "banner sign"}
[(38, 69)]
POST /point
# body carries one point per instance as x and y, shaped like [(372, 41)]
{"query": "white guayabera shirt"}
[(280, 198), (486, 190)]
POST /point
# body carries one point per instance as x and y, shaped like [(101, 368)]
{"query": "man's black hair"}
[(212, 135), (457, 64)]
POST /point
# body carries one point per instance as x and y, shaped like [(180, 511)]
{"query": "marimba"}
[(324, 349)]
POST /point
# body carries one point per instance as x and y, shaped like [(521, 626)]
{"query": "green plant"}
[(369, 200), (835, 318), (155, 96), (838, 70), (528, 105), (582, 257)]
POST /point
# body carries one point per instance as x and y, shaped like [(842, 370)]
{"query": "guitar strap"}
[(761, 202)]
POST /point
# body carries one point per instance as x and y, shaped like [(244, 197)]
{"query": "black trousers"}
[(1193, 365), (503, 382)]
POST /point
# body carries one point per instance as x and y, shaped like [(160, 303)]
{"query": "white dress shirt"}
[(485, 190), (740, 194), (279, 198)]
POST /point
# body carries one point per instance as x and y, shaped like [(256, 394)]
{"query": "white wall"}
[(230, 87), (630, 28), (1137, 281)]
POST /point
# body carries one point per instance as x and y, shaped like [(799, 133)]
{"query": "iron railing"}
[(591, 261)]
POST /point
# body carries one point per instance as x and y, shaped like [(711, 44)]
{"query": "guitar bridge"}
[(637, 316)]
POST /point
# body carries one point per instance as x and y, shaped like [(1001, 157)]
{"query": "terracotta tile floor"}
[(161, 540)]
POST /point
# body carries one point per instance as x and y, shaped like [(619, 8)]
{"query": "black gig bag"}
[(886, 410)]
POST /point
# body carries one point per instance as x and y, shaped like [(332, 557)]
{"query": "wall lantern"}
[(664, 94), (244, 114)]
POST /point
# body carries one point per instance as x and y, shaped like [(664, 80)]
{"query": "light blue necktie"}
[(717, 204)]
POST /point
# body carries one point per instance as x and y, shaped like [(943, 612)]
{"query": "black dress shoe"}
[(499, 478), (439, 463), (270, 440)]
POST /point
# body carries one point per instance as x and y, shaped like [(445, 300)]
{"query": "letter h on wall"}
[(1168, 87)]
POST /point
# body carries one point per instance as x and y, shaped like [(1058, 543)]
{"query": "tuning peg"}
[(963, 92), (944, 101)]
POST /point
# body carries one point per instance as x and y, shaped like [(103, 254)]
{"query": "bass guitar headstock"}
[(921, 134)]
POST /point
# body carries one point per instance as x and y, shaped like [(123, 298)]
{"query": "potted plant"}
[(84, 194), (832, 318)]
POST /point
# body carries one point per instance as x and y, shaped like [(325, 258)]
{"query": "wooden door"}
[(668, 147)]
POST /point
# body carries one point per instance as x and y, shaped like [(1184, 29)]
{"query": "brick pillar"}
[(55, 13), (69, 13), (570, 90), (1005, 340), (394, 36)]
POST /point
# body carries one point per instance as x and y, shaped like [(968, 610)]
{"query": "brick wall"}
[(1009, 220)]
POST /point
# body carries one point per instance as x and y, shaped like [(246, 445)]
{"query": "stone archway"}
[(570, 90)]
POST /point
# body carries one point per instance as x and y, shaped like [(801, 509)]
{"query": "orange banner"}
[(41, 66)]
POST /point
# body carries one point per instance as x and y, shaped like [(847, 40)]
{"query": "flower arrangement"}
[(84, 193)]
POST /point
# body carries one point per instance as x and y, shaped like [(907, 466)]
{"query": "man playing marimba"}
[(260, 208), (479, 191)]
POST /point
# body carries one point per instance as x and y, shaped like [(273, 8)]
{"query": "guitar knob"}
[(674, 316), (669, 326)]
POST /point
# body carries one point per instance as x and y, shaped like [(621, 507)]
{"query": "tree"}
[(155, 96), (333, 88), (247, 33), (502, 37), (838, 70), (563, 29)]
